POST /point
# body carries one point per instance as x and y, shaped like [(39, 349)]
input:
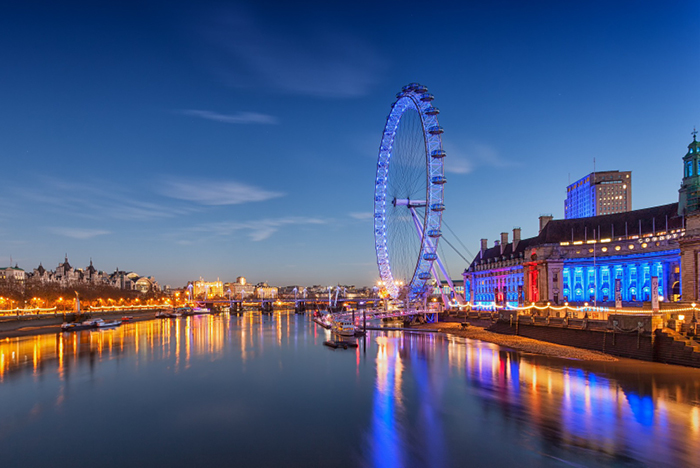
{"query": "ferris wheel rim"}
[(416, 97)]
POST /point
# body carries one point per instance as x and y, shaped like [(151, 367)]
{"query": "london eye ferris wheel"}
[(408, 194)]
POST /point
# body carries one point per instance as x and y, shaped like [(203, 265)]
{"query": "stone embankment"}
[(12, 326), (515, 342)]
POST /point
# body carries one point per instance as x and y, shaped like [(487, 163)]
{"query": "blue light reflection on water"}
[(264, 392)]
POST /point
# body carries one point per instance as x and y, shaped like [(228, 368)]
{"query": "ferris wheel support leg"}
[(449, 280), (419, 229)]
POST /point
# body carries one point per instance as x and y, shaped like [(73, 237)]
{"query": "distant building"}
[(66, 276), (146, 284), (13, 274), (599, 193), (264, 291), (208, 289), (240, 289)]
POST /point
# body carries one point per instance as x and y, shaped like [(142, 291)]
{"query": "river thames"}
[(258, 390)]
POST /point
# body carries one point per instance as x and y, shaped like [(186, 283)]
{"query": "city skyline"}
[(241, 140)]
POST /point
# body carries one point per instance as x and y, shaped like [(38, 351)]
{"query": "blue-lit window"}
[(689, 168)]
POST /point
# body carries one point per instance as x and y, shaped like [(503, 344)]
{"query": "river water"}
[(257, 390)]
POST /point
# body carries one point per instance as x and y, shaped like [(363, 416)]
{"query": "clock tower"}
[(689, 193)]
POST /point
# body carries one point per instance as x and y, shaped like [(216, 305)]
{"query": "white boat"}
[(75, 326), (343, 328), (99, 323)]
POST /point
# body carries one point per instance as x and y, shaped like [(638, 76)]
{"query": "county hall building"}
[(578, 259)]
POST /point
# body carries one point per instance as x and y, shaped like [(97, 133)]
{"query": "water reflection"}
[(619, 412), (181, 339), (406, 399)]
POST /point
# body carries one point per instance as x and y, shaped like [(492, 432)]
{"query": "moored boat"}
[(340, 344), (99, 323), (77, 326), (343, 328)]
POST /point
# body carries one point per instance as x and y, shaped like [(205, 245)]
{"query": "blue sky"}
[(220, 139)]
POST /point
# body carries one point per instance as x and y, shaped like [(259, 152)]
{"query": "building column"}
[(663, 279), (631, 271)]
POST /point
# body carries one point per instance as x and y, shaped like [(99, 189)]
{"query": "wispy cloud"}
[(237, 118), (256, 230), (208, 192), (103, 200), (320, 60), (469, 156), (362, 216), (77, 233), (458, 164)]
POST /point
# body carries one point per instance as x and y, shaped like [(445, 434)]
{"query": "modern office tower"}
[(599, 193)]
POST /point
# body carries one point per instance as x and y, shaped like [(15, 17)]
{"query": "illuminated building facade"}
[(264, 291), (207, 289), (580, 259), (599, 193), (240, 289)]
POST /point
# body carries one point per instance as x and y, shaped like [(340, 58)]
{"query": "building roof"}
[(494, 253), (638, 222), (646, 221)]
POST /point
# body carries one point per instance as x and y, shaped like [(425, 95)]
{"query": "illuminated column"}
[(662, 272)]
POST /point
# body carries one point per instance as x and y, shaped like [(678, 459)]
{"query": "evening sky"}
[(215, 139)]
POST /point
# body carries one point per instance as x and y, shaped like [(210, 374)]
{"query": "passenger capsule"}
[(432, 110), (430, 256), (437, 207), (439, 179), (424, 276), (419, 88), (426, 97), (434, 233), (400, 94), (438, 153), (437, 130)]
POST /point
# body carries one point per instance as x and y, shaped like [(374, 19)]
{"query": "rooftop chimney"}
[(484, 246), (544, 219), (504, 241), (516, 238)]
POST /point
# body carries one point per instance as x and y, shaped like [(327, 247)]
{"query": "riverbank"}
[(518, 343), (11, 327)]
